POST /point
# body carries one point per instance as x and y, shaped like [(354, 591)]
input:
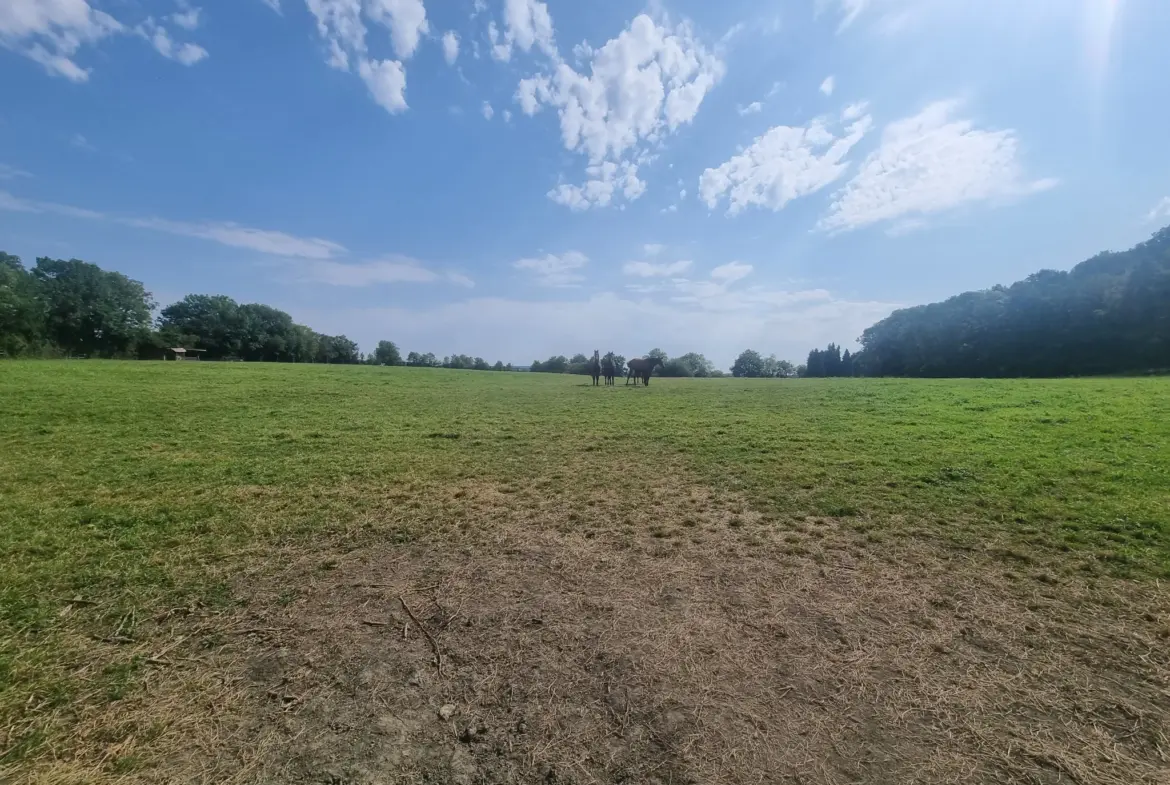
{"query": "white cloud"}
[(160, 39), (51, 33), (236, 236), (487, 110), (386, 80), (653, 249), (225, 233), (828, 85), (394, 269), (507, 115), (273, 4), (478, 7), (783, 164), (406, 20), (450, 46), (607, 180), (931, 163), (187, 17), (8, 172), (526, 23), (732, 271), (655, 270), (1161, 211), (553, 270), (340, 24), (640, 86), (501, 49), (753, 108)]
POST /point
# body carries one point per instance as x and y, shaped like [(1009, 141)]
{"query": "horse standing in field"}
[(607, 368), (595, 367), (641, 368)]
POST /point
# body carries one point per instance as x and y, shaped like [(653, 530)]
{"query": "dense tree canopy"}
[(1109, 314), (90, 311)]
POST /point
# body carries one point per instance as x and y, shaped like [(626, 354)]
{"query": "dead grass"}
[(694, 642)]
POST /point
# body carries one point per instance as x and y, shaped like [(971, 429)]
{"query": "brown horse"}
[(607, 368), (595, 367), (641, 368)]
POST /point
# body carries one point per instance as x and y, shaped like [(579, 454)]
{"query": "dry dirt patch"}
[(725, 657), (698, 642)]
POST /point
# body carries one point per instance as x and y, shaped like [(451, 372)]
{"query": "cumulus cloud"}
[(755, 107), (527, 23), (607, 180), (554, 270), (487, 110), (655, 270), (639, 87), (652, 249), (342, 26), (785, 163), (394, 269), (386, 80), (51, 33), (406, 20), (450, 46), (930, 163), (828, 85)]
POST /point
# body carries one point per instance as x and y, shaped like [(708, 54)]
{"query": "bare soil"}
[(556, 641)]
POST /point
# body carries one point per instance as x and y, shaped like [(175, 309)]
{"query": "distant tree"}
[(508, 367), (847, 364), (578, 358), (536, 367), (748, 364), (690, 364), (556, 364), (429, 360), (619, 365), (802, 371), (499, 366), (89, 310), (785, 370), (214, 321), (481, 364), (387, 353), (661, 355)]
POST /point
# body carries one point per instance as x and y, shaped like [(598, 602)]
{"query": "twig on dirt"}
[(79, 601), (250, 630), (158, 661), (426, 632), (374, 623)]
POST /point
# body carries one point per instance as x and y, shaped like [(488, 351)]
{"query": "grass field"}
[(220, 572)]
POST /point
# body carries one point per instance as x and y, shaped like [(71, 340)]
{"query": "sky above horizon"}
[(514, 179)]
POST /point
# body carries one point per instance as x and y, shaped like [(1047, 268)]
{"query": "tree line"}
[(689, 365)]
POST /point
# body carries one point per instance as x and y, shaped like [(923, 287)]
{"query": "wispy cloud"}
[(81, 143), (655, 270), (393, 269), (225, 233), (755, 107), (1161, 211), (555, 270), (11, 172), (828, 85)]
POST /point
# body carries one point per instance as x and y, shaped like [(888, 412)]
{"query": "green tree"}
[(499, 366), (22, 313), (387, 353), (213, 320), (749, 364), (89, 310)]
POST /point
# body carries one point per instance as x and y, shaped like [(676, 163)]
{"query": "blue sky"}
[(513, 178)]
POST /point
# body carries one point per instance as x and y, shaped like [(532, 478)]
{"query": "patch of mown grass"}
[(139, 486)]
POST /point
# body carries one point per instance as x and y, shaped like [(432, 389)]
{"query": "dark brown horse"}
[(641, 368), (608, 369), (595, 367)]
